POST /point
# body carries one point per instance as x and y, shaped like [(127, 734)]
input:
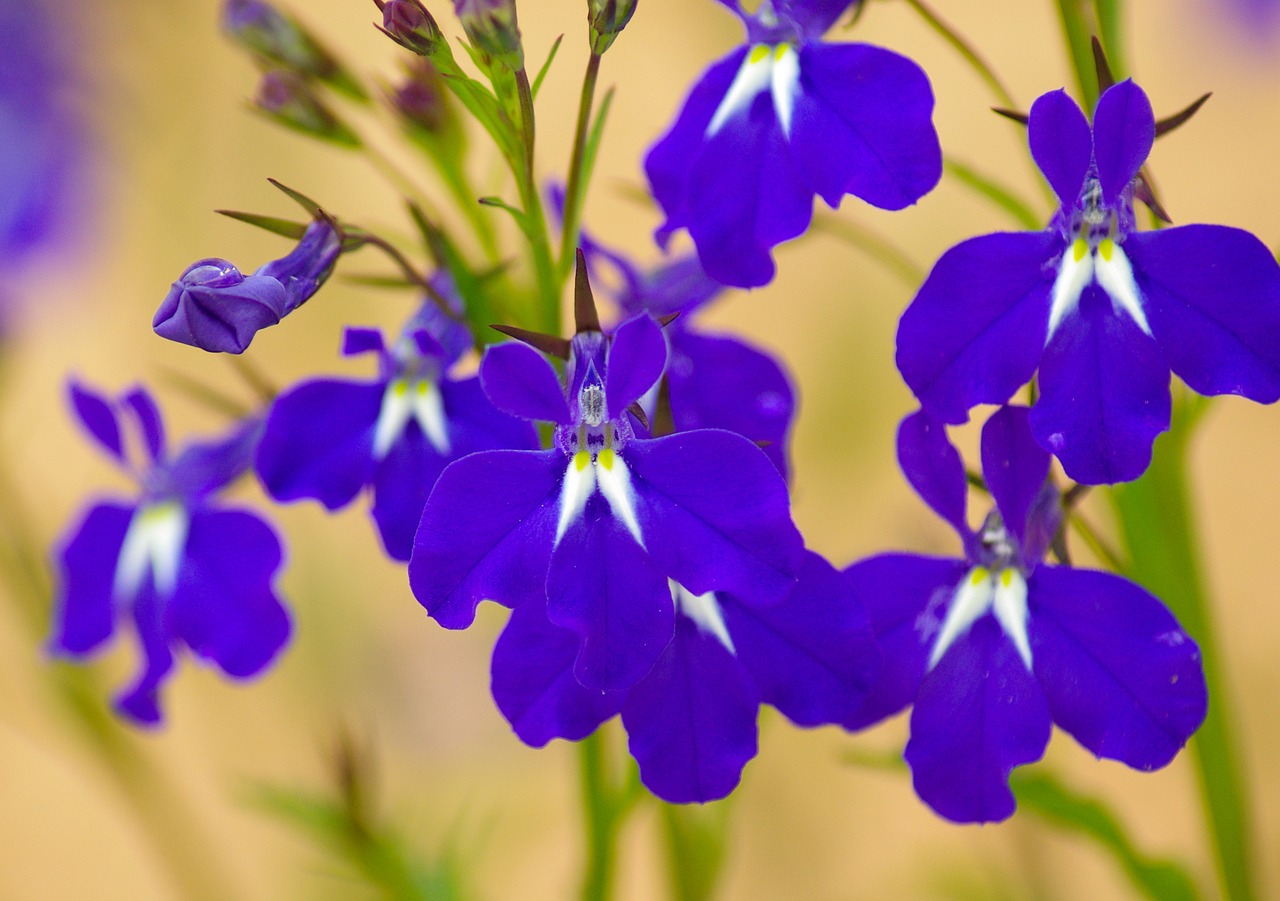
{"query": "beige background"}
[(168, 99)]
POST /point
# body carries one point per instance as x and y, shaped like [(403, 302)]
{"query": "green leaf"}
[(1158, 879), (516, 213), (302, 200), (998, 194), (273, 224), (542, 73), (594, 139), (697, 847)]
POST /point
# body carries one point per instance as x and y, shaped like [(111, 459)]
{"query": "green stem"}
[(603, 819), (575, 187), (1158, 524), (966, 50), (1078, 33), (879, 248), (1000, 196), (1110, 17), (548, 312)]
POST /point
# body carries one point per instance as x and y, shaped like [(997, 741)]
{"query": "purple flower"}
[(692, 718), (598, 525), (994, 648), (183, 569), (1100, 310), (214, 307), (782, 119), (328, 439)]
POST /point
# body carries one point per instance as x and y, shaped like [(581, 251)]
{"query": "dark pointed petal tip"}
[(1168, 124), (551, 345), (1105, 77), (585, 317), (1020, 118)]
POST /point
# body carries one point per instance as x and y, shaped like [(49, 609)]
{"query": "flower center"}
[(153, 544), (415, 398), (771, 67), (1001, 592)]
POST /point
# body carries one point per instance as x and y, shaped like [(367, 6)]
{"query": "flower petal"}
[(934, 469), (813, 17), (636, 357), (97, 416), (533, 683), (604, 587), (85, 609), (140, 701), (978, 715), (147, 414), (1124, 128), (1212, 295), (691, 724), (520, 381), (1104, 394), (1014, 466), (402, 483), (715, 514), (486, 533), (976, 330), (1061, 144), (1119, 672), (862, 125)]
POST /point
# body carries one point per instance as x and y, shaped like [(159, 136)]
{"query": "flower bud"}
[(289, 99), (274, 37), (408, 23), (607, 19), (492, 28), (423, 100)]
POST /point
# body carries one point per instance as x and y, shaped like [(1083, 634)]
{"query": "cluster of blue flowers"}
[(648, 551)]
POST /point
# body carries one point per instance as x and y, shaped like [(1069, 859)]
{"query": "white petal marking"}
[(154, 542), (1010, 609), (428, 410), (579, 485), (1074, 275), (1115, 275), (615, 484), (972, 599), (754, 76), (705, 612), (397, 408), (784, 84)]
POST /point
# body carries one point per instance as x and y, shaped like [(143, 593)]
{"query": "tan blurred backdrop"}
[(168, 97)]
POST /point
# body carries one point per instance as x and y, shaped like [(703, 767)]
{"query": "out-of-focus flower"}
[(183, 569), (492, 28), (994, 648), (328, 439), (1099, 310), (782, 119), (289, 99), (214, 307), (279, 41)]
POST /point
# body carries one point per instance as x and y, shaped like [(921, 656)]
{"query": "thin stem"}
[(879, 248), (966, 50), (1096, 543), (1110, 17), (575, 186), (602, 820), (548, 313), (1077, 32)]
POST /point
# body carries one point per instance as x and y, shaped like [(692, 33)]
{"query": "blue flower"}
[(328, 439), (214, 307), (1100, 310), (182, 568), (691, 720), (995, 647), (598, 525), (782, 119)]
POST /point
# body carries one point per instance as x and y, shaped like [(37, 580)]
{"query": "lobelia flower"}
[(1101, 311), (184, 570), (328, 439), (995, 647), (596, 526), (692, 719), (214, 307), (713, 381), (782, 119)]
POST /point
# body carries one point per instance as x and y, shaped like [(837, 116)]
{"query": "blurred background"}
[(158, 130)]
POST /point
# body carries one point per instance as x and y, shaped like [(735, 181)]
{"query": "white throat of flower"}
[(153, 544), (775, 68), (1003, 593), (1104, 262), (405, 399)]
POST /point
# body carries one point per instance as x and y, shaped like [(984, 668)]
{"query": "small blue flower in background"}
[(598, 526), (994, 648), (214, 307), (691, 720), (1100, 310), (180, 567), (782, 119), (328, 439)]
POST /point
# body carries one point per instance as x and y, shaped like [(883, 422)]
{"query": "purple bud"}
[(408, 23), (308, 265), (423, 99), (288, 98), (265, 31), (491, 27)]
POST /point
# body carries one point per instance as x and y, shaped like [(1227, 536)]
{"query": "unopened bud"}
[(607, 19), (492, 28), (287, 97), (408, 23), (280, 41), (423, 100)]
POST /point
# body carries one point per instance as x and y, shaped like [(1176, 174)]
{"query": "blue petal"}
[(486, 533), (224, 607), (401, 485), (204, 467), (813, 656), (144, 409), (905, 596), (1104, 394), (140, 701), (934, 469), (691, 724), (636, 357), (533, 683), (356, 341), (719, 382), (1212, 296), (978, 715), (97, 416), (1124, 128), (862, 125), (813, 17), (1014, 466), (1061, 144), (715, 514), (976, 330), (85, 608), (215, 308), (520, 381), (1119, 672), (604, 587)]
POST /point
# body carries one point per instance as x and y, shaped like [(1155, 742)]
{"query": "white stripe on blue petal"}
[(1074, 275), (428, 409), (1010, 609), (705, 612), (615, 484), (775, 69), (403, 400), (785, 84), (1002, 593), (1115, 275), (579, 485), (154, 543)]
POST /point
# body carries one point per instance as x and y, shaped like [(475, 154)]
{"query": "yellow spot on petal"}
[(605, 458), (1079, 249), (1006, 578), (422, 387), (1106, 247), (781, 50), (581, 460), (758, 53), (400, 387), (979, 575)]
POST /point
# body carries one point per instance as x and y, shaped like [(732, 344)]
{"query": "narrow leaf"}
[(542, 73), (273, 224), (302, 200)]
